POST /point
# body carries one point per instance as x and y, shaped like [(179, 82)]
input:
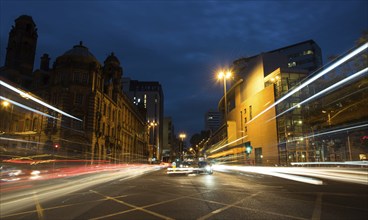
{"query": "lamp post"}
[(7, 104), (182, 136), (224, 75), (152, 125)]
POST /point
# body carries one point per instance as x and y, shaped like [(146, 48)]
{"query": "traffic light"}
[(56, 146), (248, 148)]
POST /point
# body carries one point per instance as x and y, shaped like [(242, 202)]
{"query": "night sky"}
[(182, 44)]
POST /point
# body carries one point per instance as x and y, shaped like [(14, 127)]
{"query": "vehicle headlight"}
[(208, 168), (15, 173), (35, 172)]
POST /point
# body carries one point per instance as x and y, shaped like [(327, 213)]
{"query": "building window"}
[(84, 78), (306, 52), (27, 125), (145, 101), (77, 124), (250, 112), (78, 99), (291, 64), (98, 104), (76, 77)]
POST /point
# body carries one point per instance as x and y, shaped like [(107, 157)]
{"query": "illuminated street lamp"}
[(224, 75), (182, 136), (6, 104), (153, 125)]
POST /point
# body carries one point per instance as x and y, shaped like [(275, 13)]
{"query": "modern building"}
[(251, 118), (149, 96), (96, 119), (168, 146), (212, 120), (306, 55)]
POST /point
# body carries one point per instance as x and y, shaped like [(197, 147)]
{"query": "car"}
[(180, 167), (18, 172), (204, 167)]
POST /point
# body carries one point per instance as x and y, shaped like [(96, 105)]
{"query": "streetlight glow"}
[(222, 75), (182, 136), (5, 103), (228, 74)]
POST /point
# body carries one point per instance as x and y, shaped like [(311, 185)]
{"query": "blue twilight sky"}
[(181, 44)]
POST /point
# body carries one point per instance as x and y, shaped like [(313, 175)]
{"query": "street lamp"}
[(225, 75), (152, 125), (7, 104), (182, 136)]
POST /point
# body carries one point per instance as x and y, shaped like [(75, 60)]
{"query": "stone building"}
[(96, 119)]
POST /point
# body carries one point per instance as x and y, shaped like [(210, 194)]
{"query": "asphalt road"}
[(156, 195)]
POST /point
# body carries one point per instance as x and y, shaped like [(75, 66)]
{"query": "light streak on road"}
[(337, 130), (315, 175), (18, 140), (314, 78), (27, 108), (219, 148), (28, 96), (18, 201), (347, 79), (354, 163), (328, 132)]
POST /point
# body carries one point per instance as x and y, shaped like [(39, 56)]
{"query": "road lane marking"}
[(38, 207), (226, 207), (51, 208), (317, 207), (130, 205)]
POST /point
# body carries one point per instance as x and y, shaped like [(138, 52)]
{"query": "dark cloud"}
[(181, 44)]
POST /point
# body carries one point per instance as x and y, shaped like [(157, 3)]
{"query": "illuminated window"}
[(250, 112), (291, 64), (145, 101), (306, 52)]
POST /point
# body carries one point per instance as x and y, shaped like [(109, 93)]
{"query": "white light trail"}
[(302, 174), (219, 148), (26, 95), (354, 163), (329, 132), (270, 171), (27, 108), (338, 130), (315, 77), (18, 140), (361, 72), (16, 202)]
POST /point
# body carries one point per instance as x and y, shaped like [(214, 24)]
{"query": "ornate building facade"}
[(100, 122)]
